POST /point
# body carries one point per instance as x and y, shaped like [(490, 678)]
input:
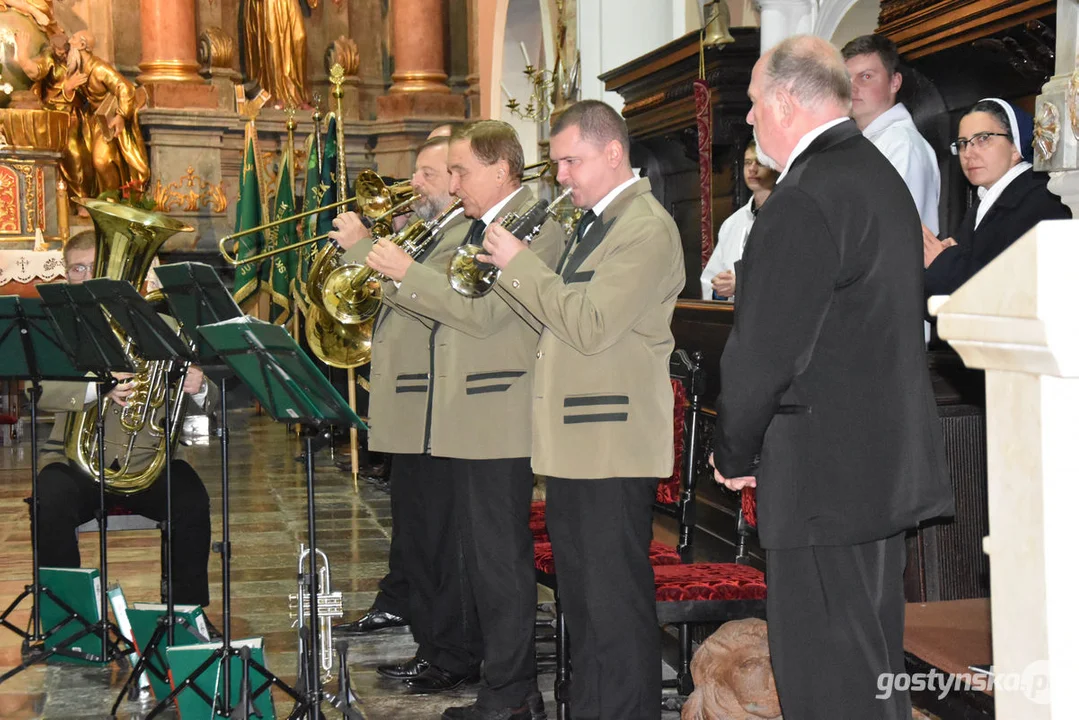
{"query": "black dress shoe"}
[(533, 710), (404, 671), (435, 680), (474, 712), (373, 620)]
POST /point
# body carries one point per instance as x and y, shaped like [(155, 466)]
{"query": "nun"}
[(994, 148)]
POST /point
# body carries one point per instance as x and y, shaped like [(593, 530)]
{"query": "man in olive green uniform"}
[(424, 583), (483, 357), (68, 497), (602, 407)]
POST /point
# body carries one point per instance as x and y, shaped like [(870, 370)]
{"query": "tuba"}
[(127, 241), (472, 278)]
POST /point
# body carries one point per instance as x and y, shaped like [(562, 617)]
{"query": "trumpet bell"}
[(468, 276), (352, 294), (337, 345)]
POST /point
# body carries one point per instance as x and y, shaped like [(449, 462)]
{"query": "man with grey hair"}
[(827, 407)]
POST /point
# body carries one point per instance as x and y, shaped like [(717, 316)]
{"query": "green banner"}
[(249, 214), (278, 271)]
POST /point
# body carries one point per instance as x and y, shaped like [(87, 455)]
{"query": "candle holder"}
[(538, 106)]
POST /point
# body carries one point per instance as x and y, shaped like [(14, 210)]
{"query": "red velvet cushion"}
[(708, 581), (749, 505), (8, 419), (537, 522), (669, 489), (658, 554)]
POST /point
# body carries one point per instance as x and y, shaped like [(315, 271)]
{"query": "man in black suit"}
[(826, 404)]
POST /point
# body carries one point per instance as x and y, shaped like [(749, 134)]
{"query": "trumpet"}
[(352, 294), (329, 606), (471, 277), (373, 199)]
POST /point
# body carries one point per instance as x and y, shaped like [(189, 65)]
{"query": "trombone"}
[(373, 198)]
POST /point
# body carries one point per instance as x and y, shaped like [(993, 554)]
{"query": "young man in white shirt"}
[(873, 64)]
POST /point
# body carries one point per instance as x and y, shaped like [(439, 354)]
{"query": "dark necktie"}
[(582, 227), (475, 233)]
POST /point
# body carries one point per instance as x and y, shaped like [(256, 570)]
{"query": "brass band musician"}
[(423, 585), (68, 497), (482, 354)]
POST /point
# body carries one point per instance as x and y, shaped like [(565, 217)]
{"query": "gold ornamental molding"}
[(419, 81), (168, 71), (189, 194), (216, 48), (1046, 131), (346, 53), (1073, 100), (34, 129)]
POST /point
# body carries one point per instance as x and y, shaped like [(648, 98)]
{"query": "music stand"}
[(291, 389), (30, 349), (196, 296), (78, 327)]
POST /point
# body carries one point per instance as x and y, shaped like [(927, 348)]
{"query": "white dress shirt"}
[(730, 243), (896, 136), (807, 139), (992, 194)]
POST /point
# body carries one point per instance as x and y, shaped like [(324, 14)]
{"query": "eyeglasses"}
[(77, 269), (978, 140)]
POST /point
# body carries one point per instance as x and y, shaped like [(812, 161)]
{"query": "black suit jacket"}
[(825, 389), (1024, 203)]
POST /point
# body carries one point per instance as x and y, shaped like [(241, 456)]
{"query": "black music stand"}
[(77, 326), (196, 296), (30, 349), (291, 389)]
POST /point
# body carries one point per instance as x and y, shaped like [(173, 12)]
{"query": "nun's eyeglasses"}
[(978, 140)]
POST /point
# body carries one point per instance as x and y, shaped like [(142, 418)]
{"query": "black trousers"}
[(393, 587), (600, 533), (441, 614), (835, 625), (67, 498), (493, 502)]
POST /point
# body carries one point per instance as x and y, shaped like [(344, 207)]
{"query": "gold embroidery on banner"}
[(189, 194)]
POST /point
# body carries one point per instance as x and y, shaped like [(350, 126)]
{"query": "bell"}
[(717, 24)]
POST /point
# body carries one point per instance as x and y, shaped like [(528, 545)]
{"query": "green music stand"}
[(291, 389)]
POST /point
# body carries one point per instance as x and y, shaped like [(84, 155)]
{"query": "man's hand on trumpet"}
[(501, 246), (389, 259), (348, 229)]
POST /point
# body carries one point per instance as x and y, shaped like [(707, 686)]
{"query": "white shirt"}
[(809, 137), (599, 207), (990, 196), (490, 215), (730, 243), (896, 136)]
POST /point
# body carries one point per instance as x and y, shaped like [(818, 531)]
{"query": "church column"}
[(419, 98), (418, 47), (782, 18), (168, 41), (1056, 121)]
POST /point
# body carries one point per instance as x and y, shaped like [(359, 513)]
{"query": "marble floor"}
[(268, 522)]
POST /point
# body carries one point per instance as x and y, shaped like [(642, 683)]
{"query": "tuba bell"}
[(127, 239)]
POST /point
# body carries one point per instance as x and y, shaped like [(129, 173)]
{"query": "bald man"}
[(836, 428)]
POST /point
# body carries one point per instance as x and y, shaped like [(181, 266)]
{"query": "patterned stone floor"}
[(268, 521)]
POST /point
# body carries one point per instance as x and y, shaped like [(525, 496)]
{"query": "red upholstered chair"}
[(687, 593), (660, 554)]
